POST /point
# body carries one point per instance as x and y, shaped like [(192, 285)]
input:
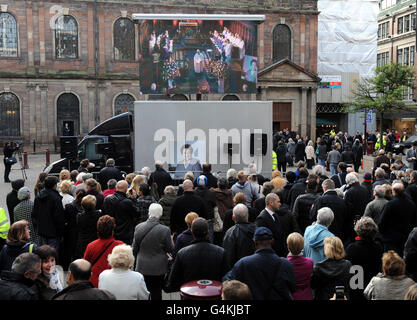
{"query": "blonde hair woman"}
[(120, 280), (331, 272)]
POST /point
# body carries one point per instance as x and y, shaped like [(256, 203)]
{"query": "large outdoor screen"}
[(198, 56)]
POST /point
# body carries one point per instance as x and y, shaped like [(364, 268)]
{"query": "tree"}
[(383, 92)]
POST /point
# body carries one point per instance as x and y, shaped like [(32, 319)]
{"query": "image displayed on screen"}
[(197, 56), (188, 157)]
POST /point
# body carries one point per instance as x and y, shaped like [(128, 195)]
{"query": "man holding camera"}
[(9, 160)]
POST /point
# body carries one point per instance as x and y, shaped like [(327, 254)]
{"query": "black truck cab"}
[(113, 138)]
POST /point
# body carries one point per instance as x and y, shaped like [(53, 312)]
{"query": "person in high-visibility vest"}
[(274, 161), (378, 143), (332, 132), (4, 227)]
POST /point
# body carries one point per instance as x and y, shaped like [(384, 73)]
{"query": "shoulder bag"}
[(105, 249)]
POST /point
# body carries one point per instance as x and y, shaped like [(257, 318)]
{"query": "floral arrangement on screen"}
[(171, 70)]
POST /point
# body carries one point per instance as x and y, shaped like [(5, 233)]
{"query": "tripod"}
[(22, 166)]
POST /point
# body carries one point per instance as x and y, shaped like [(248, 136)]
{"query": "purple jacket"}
[(303, 268)]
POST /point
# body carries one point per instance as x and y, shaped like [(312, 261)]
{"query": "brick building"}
[(76, 62)]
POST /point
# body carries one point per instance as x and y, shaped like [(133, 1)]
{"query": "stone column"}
[(88, 112), (29, 125), (304, 112), (43, 135), (313, 106)]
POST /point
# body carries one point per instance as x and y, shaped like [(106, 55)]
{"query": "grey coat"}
[(374, 209), (383, 287), (409, 155), (151, 243), (23, 211)]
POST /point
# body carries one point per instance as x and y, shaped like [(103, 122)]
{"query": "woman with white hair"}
[(231, 176), (120, 280), (309, 151), (316, 233), (151, 245)]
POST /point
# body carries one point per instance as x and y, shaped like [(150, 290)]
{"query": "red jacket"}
[(108, 192), (93, 250)]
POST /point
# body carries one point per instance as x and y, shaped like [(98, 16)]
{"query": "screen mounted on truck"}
[(198, 56)]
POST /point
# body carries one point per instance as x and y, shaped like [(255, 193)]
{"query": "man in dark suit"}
[(109, 172), (269, 219), (160, 177)]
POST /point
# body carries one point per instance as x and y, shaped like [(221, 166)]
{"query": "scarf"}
[(54, 282)]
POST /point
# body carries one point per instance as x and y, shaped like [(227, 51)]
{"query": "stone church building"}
[(76, 62)]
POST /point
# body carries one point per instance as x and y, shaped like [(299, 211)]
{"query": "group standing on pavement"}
[(295, 237)]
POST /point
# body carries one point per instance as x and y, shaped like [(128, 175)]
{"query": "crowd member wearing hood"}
[(281, 151), (332, 272), (340, 226), (237, 242), (303, 267), (316, 233), (23, 211), (17, 242), (12, 199), (309, 151), (48, 214), (291, 177), (246, 188), (291, 148)]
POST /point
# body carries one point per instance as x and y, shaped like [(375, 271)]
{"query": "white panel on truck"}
[(186, 134)]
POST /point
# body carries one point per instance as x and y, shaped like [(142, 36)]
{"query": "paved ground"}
[(36, 163)]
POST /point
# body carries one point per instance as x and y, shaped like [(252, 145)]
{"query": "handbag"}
[(217, 221), (11, 160)]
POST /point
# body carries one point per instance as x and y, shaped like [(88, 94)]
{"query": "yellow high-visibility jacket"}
[(4, 224), (274, 160)]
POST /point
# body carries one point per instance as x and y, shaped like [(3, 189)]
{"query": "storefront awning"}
[(325, 122)]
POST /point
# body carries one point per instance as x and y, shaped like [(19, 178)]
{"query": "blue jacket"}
[(314, 242), (258, 271)]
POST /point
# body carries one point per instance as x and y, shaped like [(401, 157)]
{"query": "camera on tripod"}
[(16, 145)]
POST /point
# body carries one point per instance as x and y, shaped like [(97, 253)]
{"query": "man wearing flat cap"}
[(268, 276)]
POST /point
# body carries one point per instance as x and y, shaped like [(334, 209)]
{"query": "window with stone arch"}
[(230, 97), (9, 115), (124, 103), (124, 40), (8, 35), (66, 37), (281, 42)]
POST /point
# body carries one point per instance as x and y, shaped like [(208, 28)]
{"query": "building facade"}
[(397, 43), (76, 62)]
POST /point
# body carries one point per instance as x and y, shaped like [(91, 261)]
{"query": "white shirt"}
[(124, 284), (271, 213)]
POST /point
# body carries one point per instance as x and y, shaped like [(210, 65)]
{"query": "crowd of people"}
[(294, 237)]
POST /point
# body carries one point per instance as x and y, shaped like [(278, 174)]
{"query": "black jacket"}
[(10, 251), (161, 178), (397, 220), (200, 260), (328, 274), (410, 254), (12, 201), (15, 286), (265, 220), (348, 157), (83, 290), (297, 189), (124, 210), (288, 224), (340, 226), (182, 206), (301, 209), (108, 173), (211, 180), (356, 198), (281, 152), (48, 214), (287, 188), (411, 191), (300, 151), (339, 179), (87, 228), (238, 242), (368, 255), (209, 198), (228, 220)]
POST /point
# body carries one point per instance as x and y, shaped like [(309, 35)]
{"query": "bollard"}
[(25, 160), (34, 146), (48, 158)]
